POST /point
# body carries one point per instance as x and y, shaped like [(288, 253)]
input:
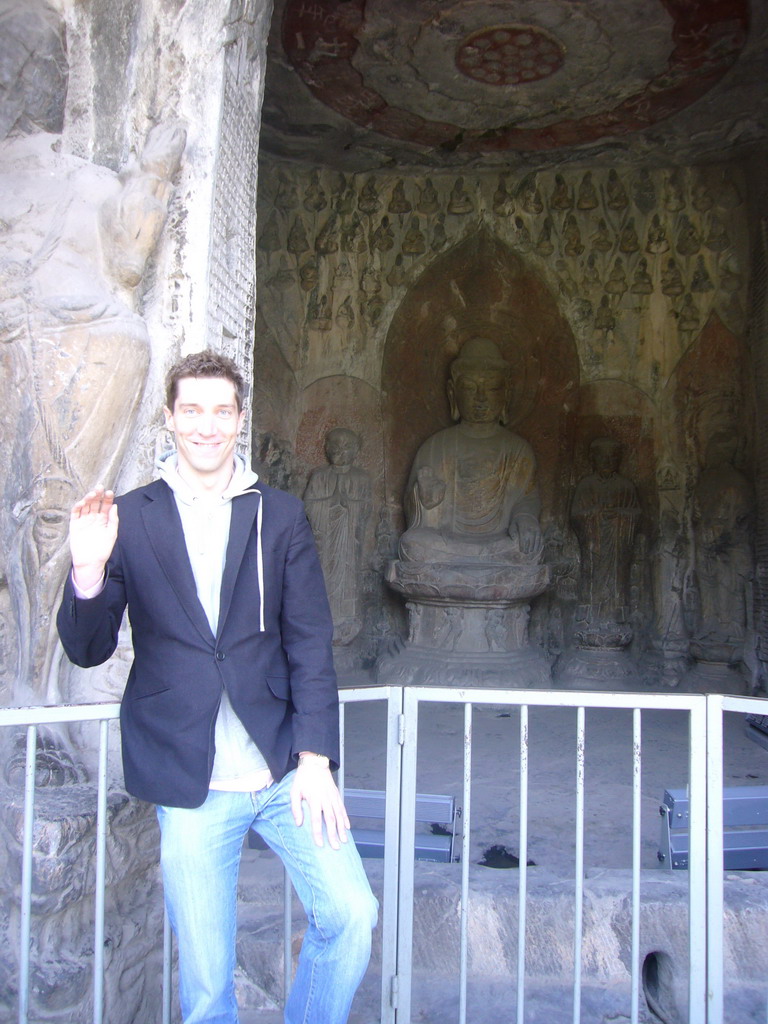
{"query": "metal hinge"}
[(394, 991)]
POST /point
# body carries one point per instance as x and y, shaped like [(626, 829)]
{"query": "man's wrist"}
[(88, 584), (309, 759)]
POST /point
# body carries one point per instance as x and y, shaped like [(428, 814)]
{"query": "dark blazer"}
[(281, 681)]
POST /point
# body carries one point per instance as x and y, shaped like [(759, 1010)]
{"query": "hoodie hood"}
[(243, 481)]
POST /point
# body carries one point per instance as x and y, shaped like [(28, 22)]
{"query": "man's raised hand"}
[(92, 535)]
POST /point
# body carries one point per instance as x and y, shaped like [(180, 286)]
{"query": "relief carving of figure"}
[(723, 510), (338, 503), (74, 241), (472, 493), (604, 515)]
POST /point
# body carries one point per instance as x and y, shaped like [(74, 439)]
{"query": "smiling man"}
[(230, 714)]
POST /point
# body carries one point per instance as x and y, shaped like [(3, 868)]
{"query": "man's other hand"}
[(314, 784)]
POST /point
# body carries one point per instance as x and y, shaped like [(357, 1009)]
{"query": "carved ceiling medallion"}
[(509, 55), (488, 75)]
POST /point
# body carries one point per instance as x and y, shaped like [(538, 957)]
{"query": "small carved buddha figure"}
[(587, 197), (616, 193), (561, 198), (641, 282), (383, 237), (672, 280), (399, 203), (314, 197), (297, 238), (439, 239), (428, 199), (472, 493), (657, 237), (628, 241), (601, 240), (572, 244), (327, 240), (414, 242), (617, 280), (368, 201), (688, 317), (459, 201), (687, 240), (701, 281)]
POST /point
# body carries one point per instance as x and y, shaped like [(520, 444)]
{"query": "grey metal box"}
[(745, 842)]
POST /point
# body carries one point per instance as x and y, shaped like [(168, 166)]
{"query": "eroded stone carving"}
[(470, 558), (338, 503), (604, 516), (722, 518), (472, 491), (74, 243)]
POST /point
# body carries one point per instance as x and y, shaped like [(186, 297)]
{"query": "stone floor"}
[(494, 822)]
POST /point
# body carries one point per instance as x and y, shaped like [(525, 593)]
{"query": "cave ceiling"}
[(429, 84)]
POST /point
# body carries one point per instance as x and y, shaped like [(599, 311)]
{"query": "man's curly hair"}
[(204, 364)]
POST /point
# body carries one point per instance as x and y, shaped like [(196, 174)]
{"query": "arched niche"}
[(481, 288), (340, 401)]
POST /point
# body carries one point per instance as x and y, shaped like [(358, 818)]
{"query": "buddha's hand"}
[(528, 534), (430, 488)]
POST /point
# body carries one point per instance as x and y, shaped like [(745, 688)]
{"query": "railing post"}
[(101, 871), (466, 821), (390, 910), (26, 873), (715, 864), (409, 735), (697, 863), (578, 913), (167, 968)]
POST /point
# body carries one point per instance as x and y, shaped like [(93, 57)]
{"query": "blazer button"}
[(220, 655)]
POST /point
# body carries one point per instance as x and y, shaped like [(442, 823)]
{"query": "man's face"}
[(206, 422), (481, 395)]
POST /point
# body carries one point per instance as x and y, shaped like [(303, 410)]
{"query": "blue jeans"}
[(200, 858)]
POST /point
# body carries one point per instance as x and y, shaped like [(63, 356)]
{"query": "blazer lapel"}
[(163, 526), (244, 509)]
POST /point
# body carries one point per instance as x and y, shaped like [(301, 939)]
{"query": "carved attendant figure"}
[(338, 503), (604, 516), (75, 243), (723, 506)]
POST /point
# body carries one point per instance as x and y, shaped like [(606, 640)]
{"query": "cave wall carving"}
[(606, 283)]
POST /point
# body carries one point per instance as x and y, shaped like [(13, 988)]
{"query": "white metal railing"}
[(403, 704), (694, 705), (32, 719)]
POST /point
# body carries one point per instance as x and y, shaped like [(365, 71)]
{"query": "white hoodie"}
[(238, 764)]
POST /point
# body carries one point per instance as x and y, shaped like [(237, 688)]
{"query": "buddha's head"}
[(479, 383), (605, 456), (722, 447), (341, 447)]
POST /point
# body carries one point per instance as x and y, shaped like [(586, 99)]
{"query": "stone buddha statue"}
[(470, 558), (472, 493)]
